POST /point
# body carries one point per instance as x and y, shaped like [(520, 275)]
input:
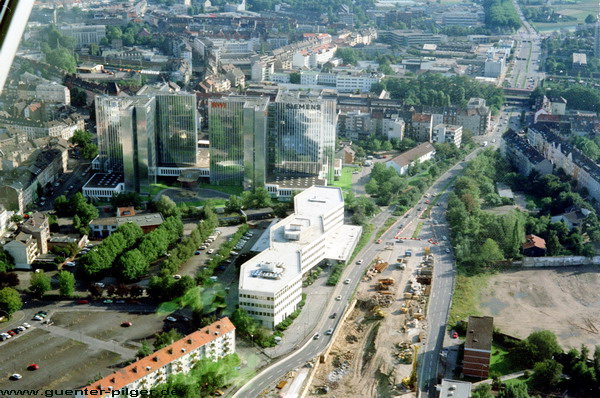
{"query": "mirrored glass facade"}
[(237, 133), (301, 140), (177, 129)]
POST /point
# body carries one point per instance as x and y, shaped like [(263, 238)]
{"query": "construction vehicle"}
[(380, 286), (387, 281), (380, 265)]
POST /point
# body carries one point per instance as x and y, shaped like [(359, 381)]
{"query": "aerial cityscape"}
[(346, 198)]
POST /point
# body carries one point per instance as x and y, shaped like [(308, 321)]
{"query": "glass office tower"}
[(177, 129), (126, 139), (237, 132), (301, 139)]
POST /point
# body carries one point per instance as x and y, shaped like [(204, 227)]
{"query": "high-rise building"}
[(126, 139), (238, 136), (597, 38), (177, 129), (301, 140)]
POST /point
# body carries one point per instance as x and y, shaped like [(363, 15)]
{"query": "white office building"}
[(270, 287)]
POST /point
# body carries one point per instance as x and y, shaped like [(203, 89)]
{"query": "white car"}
[(176, 276), (339, 298), (37, 318), (99, 284), (347, 282), (211, 251), (171, 319), (16, 376), (329, 332), (359, 262), (70, 264), (234, 253), (26, 325)]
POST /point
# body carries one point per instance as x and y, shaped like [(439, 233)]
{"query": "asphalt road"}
[(526, 71)]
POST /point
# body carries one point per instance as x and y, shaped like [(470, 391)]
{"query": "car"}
[(70, 263), (447, 250), (211, 251), (202, 248), (198, 252), (108, 301), (99, 284), (454, 335), (329, 332), (347, 281), (33, 366), (126, 324), (20, 328), (333, 315), (171, 319), (176, 276), (427, 202), (234, 253), (355, 172), (37, 318), (3, 337), (339, 298), (120, 301), (221, 268), (83, 301), (17, 331), (359, 262), (11, 332), (379, 241), (16, 376), (317, 336), (26, 325)]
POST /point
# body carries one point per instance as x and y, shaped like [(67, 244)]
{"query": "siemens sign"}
[(312, 107)]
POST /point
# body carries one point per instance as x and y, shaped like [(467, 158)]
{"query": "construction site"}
[(374, 349)]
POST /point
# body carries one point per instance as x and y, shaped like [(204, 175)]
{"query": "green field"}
[(466, 297), (577, 9), (345, 181)]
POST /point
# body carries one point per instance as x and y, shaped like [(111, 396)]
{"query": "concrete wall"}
[(565, 261)]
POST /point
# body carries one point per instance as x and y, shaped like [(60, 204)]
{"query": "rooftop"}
[(480, 332), (411, 155), (534, 241), (455, 389), (104, 180)]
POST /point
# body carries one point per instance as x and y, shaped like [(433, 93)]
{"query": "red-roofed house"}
[(214, 341), (534, 246)]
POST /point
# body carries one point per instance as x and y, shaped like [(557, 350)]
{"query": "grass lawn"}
[(417, 230), (518, 380), (385, 226), (466, 297), (501, 362), (156, 188), (364, 239), (216, 202), (345, 181), (231, 190)]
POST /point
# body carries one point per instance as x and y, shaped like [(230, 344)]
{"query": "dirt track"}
[(565, 301)]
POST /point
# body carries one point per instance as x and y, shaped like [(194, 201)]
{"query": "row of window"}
[(251, 304), (255, 297)]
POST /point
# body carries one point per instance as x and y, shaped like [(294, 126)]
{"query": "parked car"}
[(176, 276), (16, 376), (234, 253), (454, 335), (197, 253), (126, 324), (171, 319), (108, 301), (83, 302), (33, 366), (211, 251)]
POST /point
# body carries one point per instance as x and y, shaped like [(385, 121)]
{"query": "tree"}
[(233, 205), (539, 346), (490, 252), (483, 391), (10, 301), (166, 338), (133, 265), (590, 19), (546, 374), (166, 206), (295, 78), (8, 279), (553, 244), (6, 261), (518, 390), (66, 283), (348, 55), (40, 283), (144, 350), (244, 323)]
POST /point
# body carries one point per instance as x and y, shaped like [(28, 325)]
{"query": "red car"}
[(83, 302), (11, 333), (427, 202), (33, 366), (378, 241), (454, 335), (126, 324)]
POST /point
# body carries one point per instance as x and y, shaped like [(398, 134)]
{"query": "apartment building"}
[(30, 241), (422, 126), (418, 154), (270, 286), (84, 35), (53, 92), (565, 156), (447, 133), (213, 342), (523, 156), (478, 346)]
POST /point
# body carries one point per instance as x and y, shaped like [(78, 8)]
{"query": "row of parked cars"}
[(13, 332)]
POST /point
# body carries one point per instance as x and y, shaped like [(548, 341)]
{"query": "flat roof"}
[(480, 332), (297, 182), (455, 389), (105, 181), (279, 263)]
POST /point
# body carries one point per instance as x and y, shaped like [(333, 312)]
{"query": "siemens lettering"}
[(314, 107)]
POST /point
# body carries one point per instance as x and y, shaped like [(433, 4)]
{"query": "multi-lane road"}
[(526, 71)]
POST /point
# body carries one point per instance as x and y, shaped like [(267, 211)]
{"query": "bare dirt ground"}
[(565, 301), (372, 354)]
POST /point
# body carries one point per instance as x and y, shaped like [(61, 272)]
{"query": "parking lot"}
[(78, 344)]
